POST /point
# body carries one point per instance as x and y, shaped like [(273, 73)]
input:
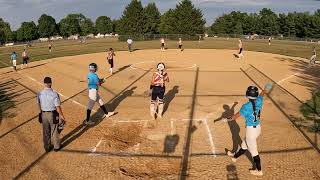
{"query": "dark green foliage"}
[(167, 23), (76, 24), (302, 25), (311, 111), (104, 25), (152, 19), (5, 32), (47, 26), (132, 20), (27, 32)]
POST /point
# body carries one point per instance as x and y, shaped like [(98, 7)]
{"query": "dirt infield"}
[(188, 142)]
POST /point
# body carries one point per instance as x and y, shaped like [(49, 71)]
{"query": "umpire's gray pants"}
[(50, 130)]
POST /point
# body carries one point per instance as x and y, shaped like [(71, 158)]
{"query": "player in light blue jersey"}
[(93, 86), (251, 111)]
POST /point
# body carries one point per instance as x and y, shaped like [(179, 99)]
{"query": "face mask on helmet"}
[(252, 92), (160, 67), (93, 67)]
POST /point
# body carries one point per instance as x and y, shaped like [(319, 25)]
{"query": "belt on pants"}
[(93, 88), (49, 111)]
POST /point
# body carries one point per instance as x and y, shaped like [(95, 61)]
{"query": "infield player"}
[(251, 112), (180, 44), (240, 46), (93, 86), (110, 55), (25, 59), (14, 60), (158, 88), (313, 57), (162, 44)]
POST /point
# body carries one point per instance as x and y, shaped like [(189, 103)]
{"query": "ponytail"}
[(254, 109)]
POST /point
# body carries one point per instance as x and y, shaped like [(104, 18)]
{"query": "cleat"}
[(109, 114), (256, 172), (229, 153)]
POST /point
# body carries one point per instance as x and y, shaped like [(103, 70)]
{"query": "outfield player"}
[(269, 40), (110, 56), (158, 88), (25, 59), (14, 60), (162, 44), (251, 112), (93, 86), (50, 47), (240, 46), (180, 44), (313, 57)]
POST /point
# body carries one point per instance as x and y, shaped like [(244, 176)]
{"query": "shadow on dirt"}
[(170, 143), (171, 94), (233, 126), (232, 172), (234, 129), (7, 93), (115, 102)]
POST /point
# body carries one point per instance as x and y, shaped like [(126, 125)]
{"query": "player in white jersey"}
[(158, 88)]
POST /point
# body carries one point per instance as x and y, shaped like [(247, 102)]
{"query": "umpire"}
[(51, 112)]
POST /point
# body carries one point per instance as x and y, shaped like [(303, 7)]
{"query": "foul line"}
[(213, 148), (295, 74)]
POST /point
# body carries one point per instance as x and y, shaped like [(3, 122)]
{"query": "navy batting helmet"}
[(252, 92), (93, 67)]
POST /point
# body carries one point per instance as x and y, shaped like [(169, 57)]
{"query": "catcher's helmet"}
[(252, 92), (93, 67), (161, 66)]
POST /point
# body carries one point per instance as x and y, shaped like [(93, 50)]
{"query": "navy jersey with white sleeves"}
[(247, 112), (93, 80)]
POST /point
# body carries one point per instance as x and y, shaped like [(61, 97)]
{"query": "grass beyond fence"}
[(39, 51)]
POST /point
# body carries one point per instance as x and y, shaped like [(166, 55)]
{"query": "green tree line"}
[(136, 19), (268, 23), (185, 18)]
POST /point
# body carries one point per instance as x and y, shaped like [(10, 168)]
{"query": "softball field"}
[(188, 142)]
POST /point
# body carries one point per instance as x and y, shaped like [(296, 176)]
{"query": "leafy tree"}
[(69, 26), (167, 22), (5, 32), (47, 26), (188, 19), (76, 24), (27, 32), (152, 17), (104, 25), (132, 20), (86, 27), (268, 22)]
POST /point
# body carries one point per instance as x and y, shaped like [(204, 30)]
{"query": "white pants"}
[(94, 97), (14, 63), (250, 140), (313, 59)]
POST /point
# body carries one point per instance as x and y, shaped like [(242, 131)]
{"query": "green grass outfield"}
[(39, 51)]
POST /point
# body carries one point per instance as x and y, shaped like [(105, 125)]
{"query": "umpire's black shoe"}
[(48, 149)]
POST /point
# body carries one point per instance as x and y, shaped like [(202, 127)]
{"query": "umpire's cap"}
[(47, 80)]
